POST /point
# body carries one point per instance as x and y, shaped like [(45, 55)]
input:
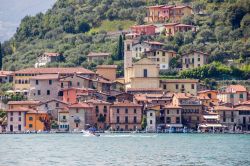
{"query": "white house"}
[(47, 57)]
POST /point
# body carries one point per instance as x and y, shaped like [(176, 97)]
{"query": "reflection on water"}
[(124, 149)]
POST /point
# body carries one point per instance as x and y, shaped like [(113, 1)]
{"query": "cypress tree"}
[(1, 57), (120, 48)]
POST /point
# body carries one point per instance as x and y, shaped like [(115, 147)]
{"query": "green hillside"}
[(75, 27)]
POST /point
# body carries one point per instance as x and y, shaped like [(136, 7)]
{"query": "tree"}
[(83, 27), (1, 57), (144, 122), (119, 49)]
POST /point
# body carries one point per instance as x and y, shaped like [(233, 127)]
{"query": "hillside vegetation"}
[(75, 27)]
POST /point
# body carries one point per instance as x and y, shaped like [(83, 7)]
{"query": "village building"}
[(172, 28), (151, 114), (23, 104), (161, 57), (74, 95), (16, 119), (107, 71), (78, 116), (22, 77), (194, 59), (145, 90), (180, 85), (143, 29), (52, 107), (101, 115), (98, 56), (63, 120), (47, 57), (234, 94), (244, 117), (208, 97), (125, 116), (37, 121), (142, 71), (163, 13), (6, 76), (210, 122), (152, 99), (44, 87), (191, 109)]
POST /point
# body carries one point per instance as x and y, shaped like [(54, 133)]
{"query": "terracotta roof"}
[(246, 102), (45, 77), (107, 66), (5, 73), (144, 89), (191, 52), (157, 6), (223, 108), (28, 102), (172, 106), (143, 26), (125, 104), (60, 101), (181, 95), (51, 54), (54, 71), (96, 101), (171, 24), (180, 81), (31, 111), (203, 97), (184, 25), (236, 88), (80, 105), (19, 109), (154, 42), (94, 54), (182, 6), (205, 91), (243, 108)]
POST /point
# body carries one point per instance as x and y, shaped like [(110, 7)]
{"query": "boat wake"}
[(129, 135)]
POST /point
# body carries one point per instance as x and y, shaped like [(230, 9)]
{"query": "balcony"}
[(190, 102)]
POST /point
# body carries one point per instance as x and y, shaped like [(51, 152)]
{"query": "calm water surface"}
[(124, 149)]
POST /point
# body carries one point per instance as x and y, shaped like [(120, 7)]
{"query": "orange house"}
[(210, 96), (143, 29), (72, 95), (173, 28), (37, 121)]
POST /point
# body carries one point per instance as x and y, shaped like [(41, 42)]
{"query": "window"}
[(77, 111), (30, 125), (231, 96), (19, 119), (19, 127), (126, 119), (11, 119), (37, 82), (167, 111), (209, 95), (57, 104), (164, 86), (182, 86), (19, 113), (168, 120), (199, 59), (64, 117), (78, 83), (50, 82), (151, 122), (134, 111), (117, 110), (178, 120), (38, 92), (105, 109), (128, 47), (30, 118), (178, 111), (96, 109), (135, 119), (192, 86), (126, 110), (145, 73), (48, 92), (151, 114), (11, 113), (241, 96), (176, 86), (77, 125), (117, 119), (232, 116)]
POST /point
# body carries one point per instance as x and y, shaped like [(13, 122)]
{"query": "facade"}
[(44, 87), (97, 56), (142, 71), (234, 94), (162, 13), (191, 109), (73, 95), (63, 120), (143, 29), (151, 120), (37, 121), (100, 113), (228, 116), (210, 95), (6, 76), (78, 116), (172, 28), (194, 59), (107, 71), (23, 104), (161, 57), (180, 86), (125, 116), (244, 117), (22, 77), (16, 119), (172, 117), (46, 58)]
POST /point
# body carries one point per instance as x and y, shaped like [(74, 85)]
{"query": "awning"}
[(211, 117), (174, 125), (211, 125)]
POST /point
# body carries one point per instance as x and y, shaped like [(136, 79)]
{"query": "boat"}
[(89, 133)]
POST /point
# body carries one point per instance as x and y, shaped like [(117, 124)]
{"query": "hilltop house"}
[(6, 76), (143, 29), (46, 58), (162, 13), (194, 59), (172, 28), (97, 56)]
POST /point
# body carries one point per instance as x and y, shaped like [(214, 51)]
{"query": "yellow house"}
[(142, 74), (107, 71), (37, 121), (180, 85)]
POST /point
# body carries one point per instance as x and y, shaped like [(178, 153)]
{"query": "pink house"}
[(143, 29)]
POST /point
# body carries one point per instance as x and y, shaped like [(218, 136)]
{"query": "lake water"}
[(124, 149)]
